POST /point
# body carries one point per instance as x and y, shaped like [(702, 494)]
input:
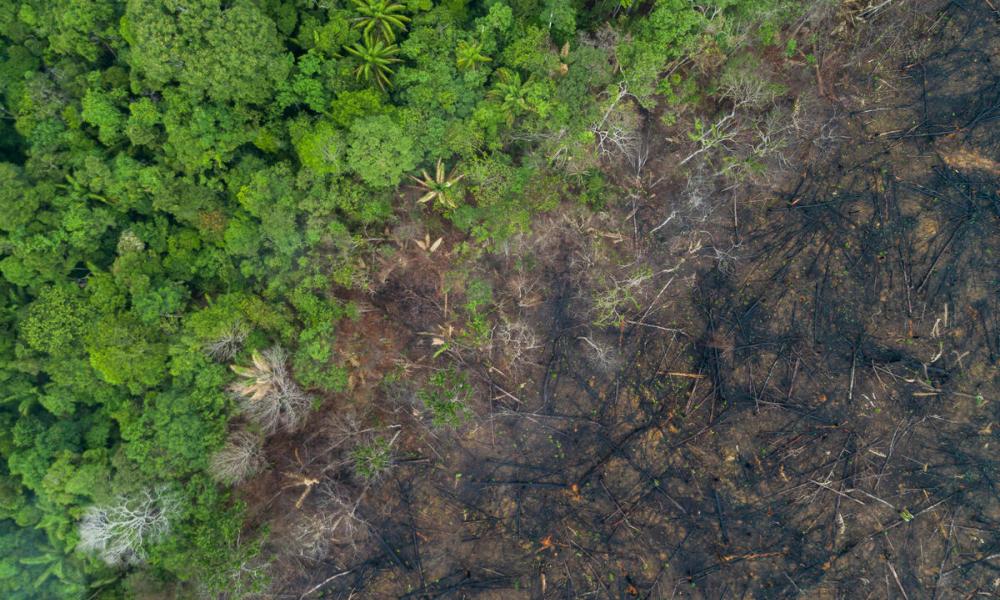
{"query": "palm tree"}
[(511, 92), (381, 17), (438, 188), (468, 55), (376, 56)]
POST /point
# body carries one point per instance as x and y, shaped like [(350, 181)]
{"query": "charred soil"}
[(781, 387)]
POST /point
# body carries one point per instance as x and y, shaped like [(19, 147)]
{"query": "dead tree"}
[(239, 459), (230, 342), (267, 393), (120, 532)]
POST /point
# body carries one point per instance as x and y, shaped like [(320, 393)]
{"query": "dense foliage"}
[(183, 182)]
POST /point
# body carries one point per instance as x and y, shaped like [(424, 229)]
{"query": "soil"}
[(804, 405)]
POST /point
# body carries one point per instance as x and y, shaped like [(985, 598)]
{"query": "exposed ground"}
[(801, 401)]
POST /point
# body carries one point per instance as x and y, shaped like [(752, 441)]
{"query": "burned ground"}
[(810, 412)]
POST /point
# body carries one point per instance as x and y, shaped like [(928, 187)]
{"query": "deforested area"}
[(505, 299)]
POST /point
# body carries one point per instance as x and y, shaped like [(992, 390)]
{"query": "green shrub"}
[(445, 396), (372, 459)]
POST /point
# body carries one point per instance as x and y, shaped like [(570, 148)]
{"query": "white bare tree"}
[(239, 459), (267, 393), (744, 85), (604, 357), (346, 525), (338, 524), (712, 135), (120, 532), (516, 340), (618, 131), (230, 342)]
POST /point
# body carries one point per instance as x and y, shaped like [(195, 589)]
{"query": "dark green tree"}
[(380, 151)]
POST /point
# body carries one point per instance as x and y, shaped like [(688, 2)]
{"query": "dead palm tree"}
[(267, 393), (439, 187)]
